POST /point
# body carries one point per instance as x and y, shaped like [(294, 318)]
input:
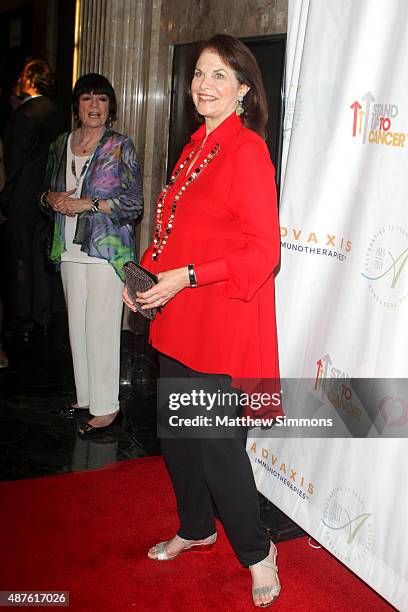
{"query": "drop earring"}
[(240, 107)]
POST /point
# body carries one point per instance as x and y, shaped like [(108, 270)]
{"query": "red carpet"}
[(88, 533)]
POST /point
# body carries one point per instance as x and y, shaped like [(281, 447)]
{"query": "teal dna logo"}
[(348, 524), (345, 522), (386, 266)]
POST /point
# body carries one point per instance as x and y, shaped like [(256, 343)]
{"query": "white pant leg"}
[(103, 326), (74, 282)]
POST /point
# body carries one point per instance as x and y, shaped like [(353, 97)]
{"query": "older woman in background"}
[(216, 246), (94, 188)]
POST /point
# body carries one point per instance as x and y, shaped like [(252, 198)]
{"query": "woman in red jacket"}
[(215, 249)]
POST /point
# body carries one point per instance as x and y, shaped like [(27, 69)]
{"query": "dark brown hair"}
[(237, 56), (39, 73), (96, 84)]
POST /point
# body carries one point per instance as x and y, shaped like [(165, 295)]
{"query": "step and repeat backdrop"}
[(342, 291)]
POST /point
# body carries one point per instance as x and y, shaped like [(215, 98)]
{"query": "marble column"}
[(131, 42), (114, 39)]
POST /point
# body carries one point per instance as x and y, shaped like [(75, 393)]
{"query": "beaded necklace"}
[(160, 239), (91, 148), (73, 169)]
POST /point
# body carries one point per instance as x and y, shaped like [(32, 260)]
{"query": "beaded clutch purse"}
[(138, 278)]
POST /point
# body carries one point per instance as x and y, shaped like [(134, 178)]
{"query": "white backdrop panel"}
[(342, 292)]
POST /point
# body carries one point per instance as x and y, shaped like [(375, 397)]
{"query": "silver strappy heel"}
[(272, 591), (161, 554)]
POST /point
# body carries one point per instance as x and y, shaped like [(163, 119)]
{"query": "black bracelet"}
[(43, 199), (191, 275), (95, 205)]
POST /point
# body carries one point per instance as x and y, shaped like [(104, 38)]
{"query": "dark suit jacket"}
[(32, 128)]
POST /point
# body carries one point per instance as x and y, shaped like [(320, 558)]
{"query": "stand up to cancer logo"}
[(375, 123)]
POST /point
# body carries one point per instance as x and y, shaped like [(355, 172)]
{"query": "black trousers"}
[(29, 275), (208, 471)]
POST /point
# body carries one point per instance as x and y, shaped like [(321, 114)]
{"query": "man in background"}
[(35, 123), (3, 357)]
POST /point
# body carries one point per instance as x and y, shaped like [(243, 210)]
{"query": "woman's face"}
[(215, 88), (93, 110)]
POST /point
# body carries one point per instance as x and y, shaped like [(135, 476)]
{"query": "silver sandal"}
[(267, 590), (162, 555)]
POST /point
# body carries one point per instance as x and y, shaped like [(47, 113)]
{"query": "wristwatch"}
[(43, 199)]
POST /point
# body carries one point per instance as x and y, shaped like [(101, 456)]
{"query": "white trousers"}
[(93, 293)]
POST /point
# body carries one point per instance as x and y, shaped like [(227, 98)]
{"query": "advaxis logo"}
[(285, 473), (375, 122), (307, 242)]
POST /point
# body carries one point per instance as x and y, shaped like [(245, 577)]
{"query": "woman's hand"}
[(56, 198), (62, 202), (74, 206), (127, 300), (170, 283)]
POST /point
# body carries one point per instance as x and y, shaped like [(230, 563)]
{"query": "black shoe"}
[(70, 410), (87, 430)]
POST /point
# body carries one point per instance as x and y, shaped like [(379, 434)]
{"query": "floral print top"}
[(113, 175)]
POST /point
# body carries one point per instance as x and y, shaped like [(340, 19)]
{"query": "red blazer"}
[(226, 224)]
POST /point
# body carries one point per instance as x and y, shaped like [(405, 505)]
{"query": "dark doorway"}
[(269, 52)]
